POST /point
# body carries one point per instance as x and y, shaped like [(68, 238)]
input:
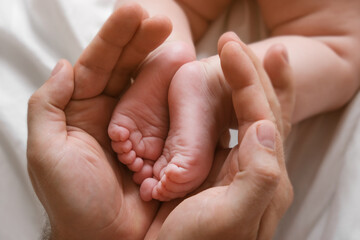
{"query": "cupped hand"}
[(75, 174)]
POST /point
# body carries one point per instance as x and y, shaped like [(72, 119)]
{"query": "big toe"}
[(146, 189)]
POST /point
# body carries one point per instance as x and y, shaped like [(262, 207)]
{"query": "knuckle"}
[(268, 175), (285, 197)]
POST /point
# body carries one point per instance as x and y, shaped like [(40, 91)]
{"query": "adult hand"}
[(75, 174), (248, 190)]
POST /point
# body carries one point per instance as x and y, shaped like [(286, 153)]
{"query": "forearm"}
[(324, 79)]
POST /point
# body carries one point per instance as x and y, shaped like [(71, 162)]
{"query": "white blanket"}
[(323, 153)]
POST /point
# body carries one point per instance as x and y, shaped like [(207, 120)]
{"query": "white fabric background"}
[(323, 153)]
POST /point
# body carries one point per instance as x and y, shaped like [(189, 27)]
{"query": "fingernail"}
[(266, 135), (57, 68)]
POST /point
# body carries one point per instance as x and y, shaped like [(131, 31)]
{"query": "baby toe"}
[(118, 133), (159, 167), (146, 188), (137, 165), (121, 147), (145, 172), (127, 158)]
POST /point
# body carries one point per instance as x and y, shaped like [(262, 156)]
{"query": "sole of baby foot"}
[(200, 109), (140, 121)]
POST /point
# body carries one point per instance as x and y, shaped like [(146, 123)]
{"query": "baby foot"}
[(200, 109), (140, 121)]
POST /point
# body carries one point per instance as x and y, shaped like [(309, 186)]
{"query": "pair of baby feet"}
[(167, 125)]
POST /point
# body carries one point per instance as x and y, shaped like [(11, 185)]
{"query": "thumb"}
[(46, 118), (255, 184)]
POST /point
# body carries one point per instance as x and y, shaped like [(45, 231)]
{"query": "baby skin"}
[(172, 158)]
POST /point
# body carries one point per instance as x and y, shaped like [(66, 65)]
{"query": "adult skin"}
[(76, 176)]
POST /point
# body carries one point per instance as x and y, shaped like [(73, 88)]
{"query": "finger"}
[(96, 63), (225, 38), (254, 186), (277, 66), (152, 32), (250, 101), (266, 85), (120, 4), (269, 190), (231, 36), (46, 111), (281, 200), (264, 79)]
